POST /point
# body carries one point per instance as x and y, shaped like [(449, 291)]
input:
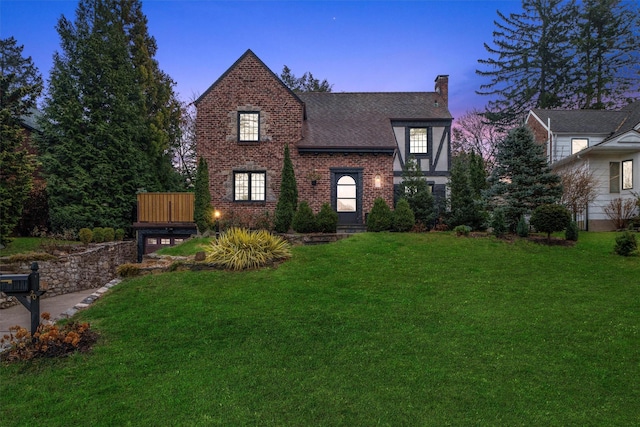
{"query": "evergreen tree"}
[(528, 67), (403, 217), (463, 209), (380, 218), (521, 180), (306, 83), (288, 199), (415, 189), (606, 42), (202, 196), (97, 127), (20, 86)]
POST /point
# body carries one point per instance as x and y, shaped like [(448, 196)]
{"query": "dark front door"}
[(347, 195)]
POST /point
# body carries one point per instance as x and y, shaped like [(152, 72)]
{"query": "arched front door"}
[(347, 195)]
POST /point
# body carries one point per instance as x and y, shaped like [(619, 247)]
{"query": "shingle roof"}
[(581, 121), (362, 121)]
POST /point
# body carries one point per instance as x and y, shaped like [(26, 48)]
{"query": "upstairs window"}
[(578, 144), (248, 127), (249, 186), (418, 140)]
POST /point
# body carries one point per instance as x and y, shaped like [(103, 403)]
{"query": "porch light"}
[(378, 181)]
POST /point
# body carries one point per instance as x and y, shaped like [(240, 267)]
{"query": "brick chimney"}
[(442, 87)]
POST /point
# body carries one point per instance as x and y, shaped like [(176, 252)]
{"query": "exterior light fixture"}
[(378, 181)]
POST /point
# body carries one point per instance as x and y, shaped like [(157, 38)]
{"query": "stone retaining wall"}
[(77, 271)]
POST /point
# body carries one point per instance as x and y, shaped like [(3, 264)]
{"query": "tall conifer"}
[(288, 199)]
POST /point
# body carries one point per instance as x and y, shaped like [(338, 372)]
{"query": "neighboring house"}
[(607, 143), (347, 149)]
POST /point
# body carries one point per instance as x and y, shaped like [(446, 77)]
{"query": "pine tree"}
[(288, 199), (202, 196), (529, 65), (606, 42), (20, 86), (521, 180), (306, 83), (415, 189)]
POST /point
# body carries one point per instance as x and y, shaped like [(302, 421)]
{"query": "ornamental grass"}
[(242, 249)]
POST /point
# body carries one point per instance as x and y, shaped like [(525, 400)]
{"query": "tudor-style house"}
[(606, 143), (347, 149)]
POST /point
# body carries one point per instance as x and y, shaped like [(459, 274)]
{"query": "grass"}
[(189, 247), (20, 245), (377, 329)]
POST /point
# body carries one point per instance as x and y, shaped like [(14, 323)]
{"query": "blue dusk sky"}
[(358, 46)]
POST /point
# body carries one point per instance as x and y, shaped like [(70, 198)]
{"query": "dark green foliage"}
[(35, 211), (466, 183), (288, 199), (101, 135), (85, 235), (109, 234), (327, 219), (380, 218), (626, 244), (462, 230), (571, 233), (498, 223), (119, 234), (20, 86), (550, 218), (202, 197), (403, 218), (303, 220), (522, 229), (521, 180), (415, 189), (306, 83)]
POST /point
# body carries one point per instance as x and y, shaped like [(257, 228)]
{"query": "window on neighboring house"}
[(249, 186), (418, 140), (614, 177), (627, 175), (578, 144), (248, 126)]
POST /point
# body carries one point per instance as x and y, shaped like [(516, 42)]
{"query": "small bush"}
[(98, 235), (119, 235), (462, 230), (30, 257), (498, 223), (522, 229), (242, 249), (128, 270), (626, 244), (109, 234), (50, 340), (403, 219), (550, 218), (380, 218), (86, 235), (303, 220), (327, 219), (571, 233)]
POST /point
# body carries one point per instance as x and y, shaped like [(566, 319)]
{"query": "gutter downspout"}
[(549, 143)]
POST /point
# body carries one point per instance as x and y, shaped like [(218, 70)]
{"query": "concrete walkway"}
[(60, 306)]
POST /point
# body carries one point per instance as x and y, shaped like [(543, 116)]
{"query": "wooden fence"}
[(164, 208)]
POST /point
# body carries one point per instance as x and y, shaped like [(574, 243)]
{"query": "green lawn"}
[(377, 329)]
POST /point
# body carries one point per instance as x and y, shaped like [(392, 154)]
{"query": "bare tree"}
[(579, 188), (185, 158), (472, 132), (620, 211)]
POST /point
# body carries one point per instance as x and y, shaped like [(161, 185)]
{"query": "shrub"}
[(498, 223), (522, 229), (109, 234), (98, 235), (288, 198), (403, 219), (202, 197), (626, 244), (380, 218), (86, 235), (620, 211), (462, 230), (50, 340), (241, 249), (303, 220), (128, 270), (550, 218), (263, 221), (327, 219), (119, 235), (571, 233)]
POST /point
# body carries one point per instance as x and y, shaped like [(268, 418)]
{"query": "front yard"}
[(377, 329)]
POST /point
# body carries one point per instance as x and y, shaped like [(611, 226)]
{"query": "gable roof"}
[(362, 121), (248, 53)]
